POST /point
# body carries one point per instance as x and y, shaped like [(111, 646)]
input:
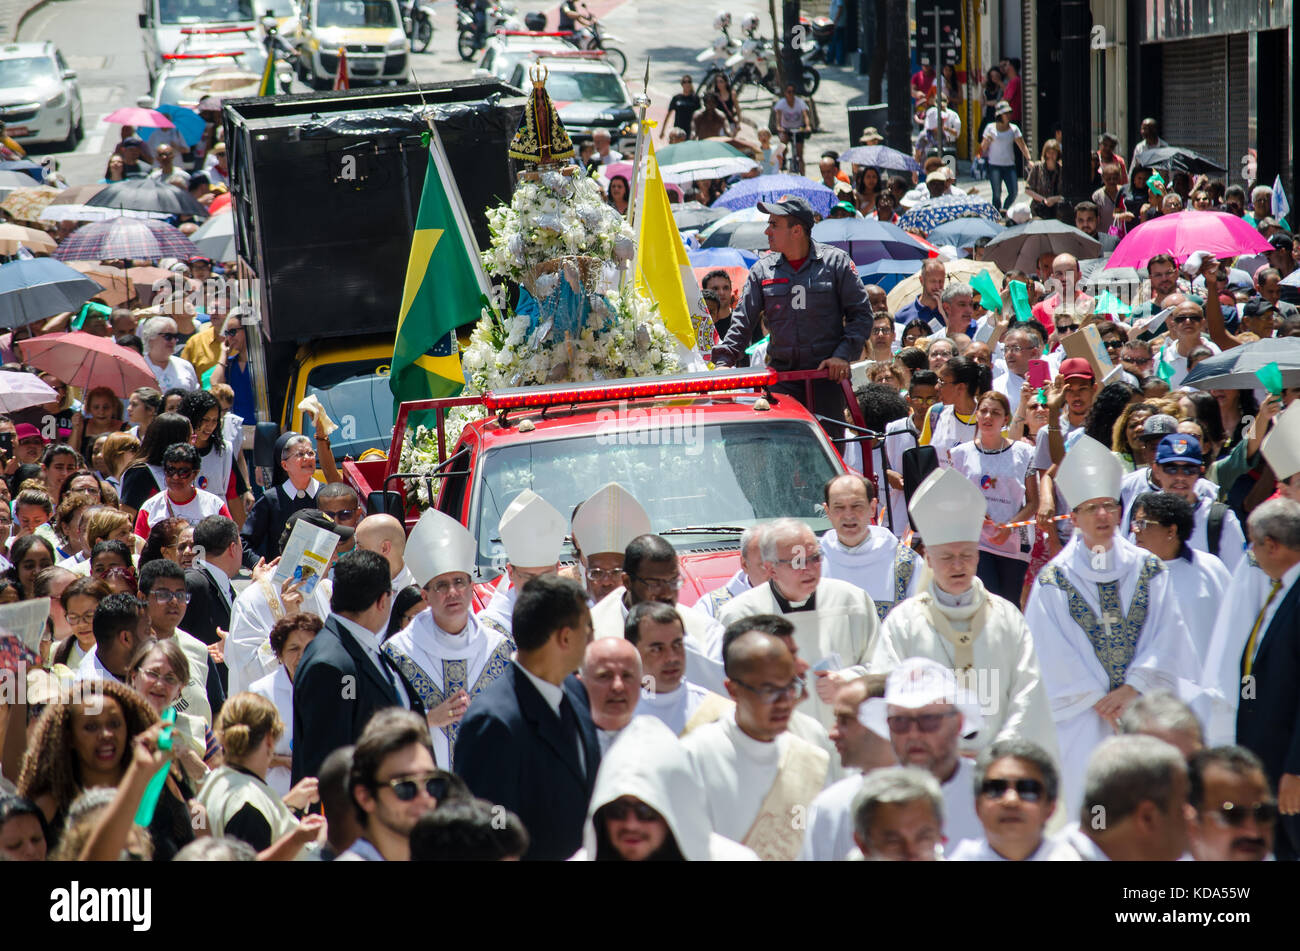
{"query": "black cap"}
[(796, 208), (1281, 240), (133, 140), (320, 520), (1257, 307)]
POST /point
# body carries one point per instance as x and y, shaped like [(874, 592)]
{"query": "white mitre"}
[(532, 531), (609, 520), (947, 508), (1089, 471), (439, 544)]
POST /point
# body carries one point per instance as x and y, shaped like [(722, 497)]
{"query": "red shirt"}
[(1011, 93)]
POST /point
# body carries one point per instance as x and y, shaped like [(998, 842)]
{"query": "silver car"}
[(39, 97)]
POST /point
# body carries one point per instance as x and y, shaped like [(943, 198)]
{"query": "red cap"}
[(1076, 368), (27, 431)]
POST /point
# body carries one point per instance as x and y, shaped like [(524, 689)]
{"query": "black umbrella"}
[(1019, 247), (1235, 369), (750, 235), (1178, 159), (148, 194), (691, 215)]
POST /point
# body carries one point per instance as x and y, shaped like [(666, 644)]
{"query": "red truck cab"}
[(707, 455)]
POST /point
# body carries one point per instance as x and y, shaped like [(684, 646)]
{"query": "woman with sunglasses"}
[(180, 499), (289, 638), (160, 339), (236, 796)]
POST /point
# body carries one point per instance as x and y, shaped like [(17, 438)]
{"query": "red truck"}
[(707, 455)]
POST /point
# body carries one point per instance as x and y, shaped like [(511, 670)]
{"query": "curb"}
[(22, 18)]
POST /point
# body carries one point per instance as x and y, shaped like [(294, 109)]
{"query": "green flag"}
[(1164, 369), (1108, 303), (1271, 376), (1020, 300), (444, 287), (990, 299)]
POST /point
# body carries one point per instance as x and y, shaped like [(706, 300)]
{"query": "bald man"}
[(755, 774), (385, 535), (1186, 324), (611, 673), (1067, 294)]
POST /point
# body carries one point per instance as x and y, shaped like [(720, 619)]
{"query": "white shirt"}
[(736, 772), (369, 642), (959, 819), (979, 850), (158, 507), (674, 708), (830, 822), (91, 669), (177, 372), (278, 688)]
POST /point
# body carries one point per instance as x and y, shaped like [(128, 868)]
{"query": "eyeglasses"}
[(234, 332), (1135, 361), (164, 596), (1142, 524), (618, 811), (1180, 468), (304, 454), (1235, 816), (342, 515), (770, 695), (926, 722), (924, 400), (114, 571), (1114, 344), (442, 588), (87, 618), (408, 789), (881, 331), (600, 574), (1014, 349), (171, 680), (1027, 790), (1066, 328), (812, 558), (661, 584), (178, 472), (1091, 508), (173, 338)]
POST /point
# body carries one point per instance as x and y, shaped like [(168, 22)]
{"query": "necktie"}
[(569, 727), (399, 685), (1248, 658)]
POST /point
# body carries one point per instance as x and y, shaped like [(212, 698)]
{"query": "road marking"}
[(95, 133)]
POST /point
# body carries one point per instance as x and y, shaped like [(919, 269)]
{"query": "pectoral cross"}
[(1108, 619)]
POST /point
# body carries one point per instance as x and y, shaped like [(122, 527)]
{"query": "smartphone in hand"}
[(1039, 374)]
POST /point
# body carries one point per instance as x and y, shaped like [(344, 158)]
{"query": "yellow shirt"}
[(203, 350)]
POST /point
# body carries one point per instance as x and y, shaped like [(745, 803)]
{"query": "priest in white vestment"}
[(651, 573), (867, 555), (835, 622), (1104, 616), (955, 621), (752, 572), (650, 768), (756, 776), (611, 675), (444, 653), (603, 526), (532, 532), (656, 631)]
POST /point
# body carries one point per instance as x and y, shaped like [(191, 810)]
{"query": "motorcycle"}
[(417, 21), (594, 37), (474, 31), (755, 65), (816, 34), (723, 48)]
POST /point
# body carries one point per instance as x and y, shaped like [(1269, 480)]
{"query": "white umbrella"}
[(94, 213), (20, 390), (721, 167)]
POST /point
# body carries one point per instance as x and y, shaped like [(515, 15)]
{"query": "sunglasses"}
[(1027, 790), (1181, 469), (619, 809), (163, 596), (926, 722), (173, 338), (232, 333), (1235, 816), (407, 789), (1066, 328), (178, 472)]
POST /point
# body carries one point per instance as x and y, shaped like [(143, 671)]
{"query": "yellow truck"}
[(368, 32)]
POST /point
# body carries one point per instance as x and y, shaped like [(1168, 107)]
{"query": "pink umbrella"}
[(625, 169), (84, 360), (1185, 232), (134, 115)]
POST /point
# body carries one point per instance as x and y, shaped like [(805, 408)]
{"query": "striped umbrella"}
[(125, 239)]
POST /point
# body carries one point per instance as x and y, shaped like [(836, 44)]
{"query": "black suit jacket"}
[(512, 751), (336, 690), (1268, 723), (266, 520), (207, 609)]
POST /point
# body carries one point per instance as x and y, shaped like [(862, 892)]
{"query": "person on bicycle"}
[(793, 122), (572, 18)]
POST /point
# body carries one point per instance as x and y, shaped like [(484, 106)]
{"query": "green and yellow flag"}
[(444, 288), (267, 86)]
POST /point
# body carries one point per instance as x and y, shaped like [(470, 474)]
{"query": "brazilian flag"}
[(444, 288)]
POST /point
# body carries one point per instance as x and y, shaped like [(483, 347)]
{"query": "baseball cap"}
[(919, 682), (1257, 307), (133, 140), (1161, 424), (27, 431), (1002, 107), (1282, 241), (846, 206), (1077, 368), (320, 520), (796, 208), (1179, 447)]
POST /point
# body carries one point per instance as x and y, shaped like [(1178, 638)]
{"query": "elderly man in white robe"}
[(603, 526), (611, 675), (532, 533), (751, 573), (444, 653), (1105, 618), (835, 622), (867, 555), (981, 637), (754, 774)]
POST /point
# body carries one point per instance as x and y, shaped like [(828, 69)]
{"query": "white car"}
[(371, 32), (167, 24), (39, 97), (504, 51)]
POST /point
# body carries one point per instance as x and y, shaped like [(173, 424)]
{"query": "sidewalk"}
[(12, 13)]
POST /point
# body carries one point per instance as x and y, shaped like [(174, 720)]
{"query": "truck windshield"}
[(354, 13), (358, 399), (204, 11), (726, 474)]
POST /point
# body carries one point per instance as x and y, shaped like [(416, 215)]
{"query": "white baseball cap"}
[(919, 682)]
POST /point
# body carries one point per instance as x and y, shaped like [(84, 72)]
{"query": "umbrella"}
[(116, 287), (1235, 369), (124, 239), (26, 204), (731, 219), (961, 269), (692, 216), (750, 235), (1184, 232), (26, 166), (865, 240), (134, 115), (722, 257), (13, 237), (1124, 281), (188, 122), (933, 212), (216, 238), (12, 181), (84, 360), (19, 390), (147, 194), (1019, 247), (220, 203), (80, 194), (38, 288), (748, 192), (94, 213), (880, 156), (964, 232), (689, 161), (1179, 159), (888, 274)]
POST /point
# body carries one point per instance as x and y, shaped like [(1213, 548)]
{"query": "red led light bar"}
[(570, 54), (535, 397), (534, 33), (213, 30), (233, 53)]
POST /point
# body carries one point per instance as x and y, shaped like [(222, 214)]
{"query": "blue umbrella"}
[(748, 192), (25, 165), (37, 288), (887, 274), (881, 156), (722, 257), (930, 214), (188, 123), (866, 240), (963, 232)]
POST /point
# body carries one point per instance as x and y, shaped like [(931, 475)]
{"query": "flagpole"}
[(642, 103)]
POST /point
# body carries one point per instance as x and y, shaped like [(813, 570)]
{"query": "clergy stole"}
[(962, 643), (775, 836), (713, 707), (904, 565), (1114, 639)]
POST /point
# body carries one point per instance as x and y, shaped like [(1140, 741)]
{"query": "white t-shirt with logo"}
[(158, 507)]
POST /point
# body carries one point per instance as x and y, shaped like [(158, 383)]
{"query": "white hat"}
[(919, 682), (1281, 447), (948, 508), (532, 531), (609, 520), (439, 544), (1089, 471)]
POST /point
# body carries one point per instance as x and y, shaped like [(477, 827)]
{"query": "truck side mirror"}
[(386, 503), (143, 20)]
